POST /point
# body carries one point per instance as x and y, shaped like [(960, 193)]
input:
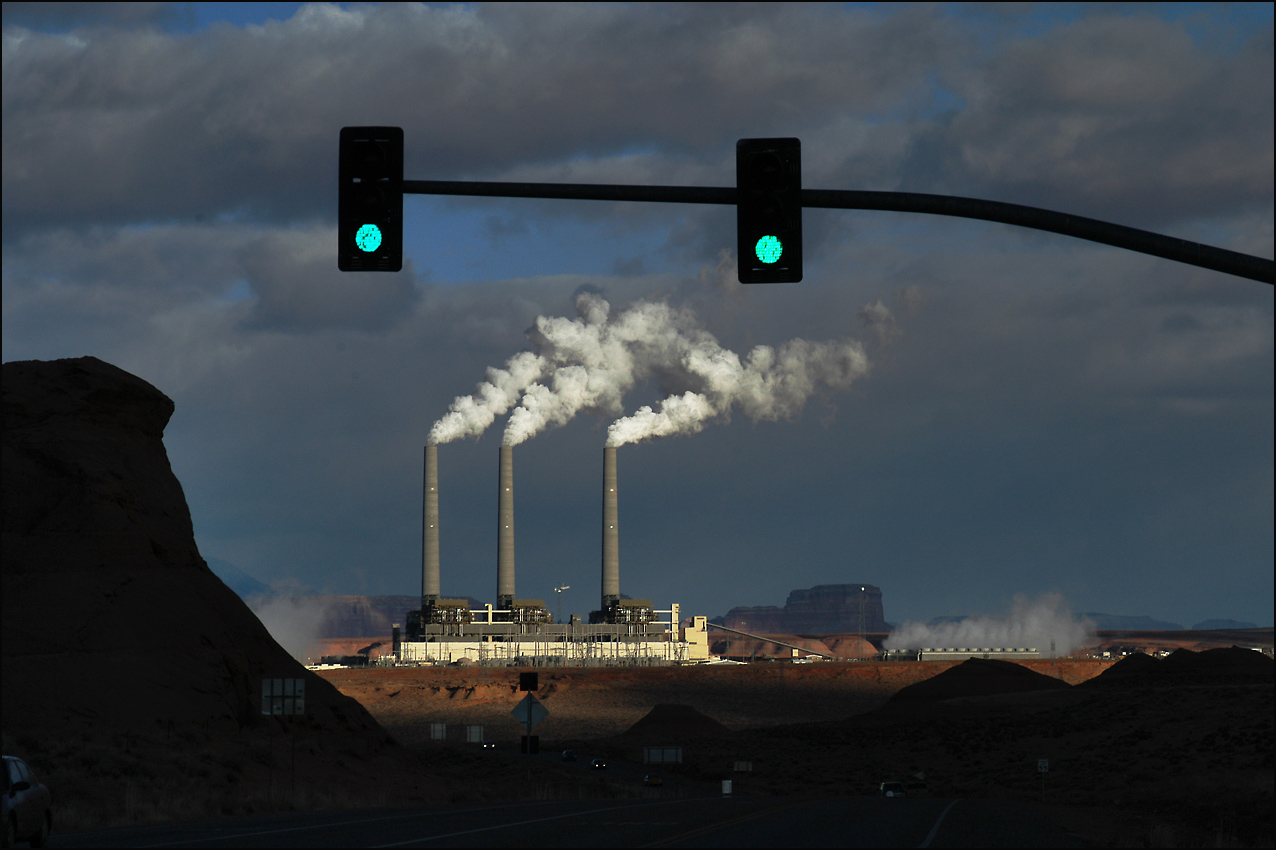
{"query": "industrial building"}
[(522, 632)]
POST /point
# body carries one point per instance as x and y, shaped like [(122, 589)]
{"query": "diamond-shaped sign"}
[(530, 712)]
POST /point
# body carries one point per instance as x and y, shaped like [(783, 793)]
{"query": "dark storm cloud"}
[(1042, 414), (58, 16), (298, 286), (1118, 117), (105, 125)]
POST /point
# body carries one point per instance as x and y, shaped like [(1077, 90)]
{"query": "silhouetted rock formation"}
[(110, 614)]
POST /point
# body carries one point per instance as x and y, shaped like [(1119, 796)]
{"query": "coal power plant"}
[(522, 632)]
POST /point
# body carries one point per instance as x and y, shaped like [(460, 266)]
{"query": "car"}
[(488, 745), (568, 755), (892, 789), (653, 779), (916, 788), (28, 805), (598, 764)]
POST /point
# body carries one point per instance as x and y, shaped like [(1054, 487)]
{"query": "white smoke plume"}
[(470, 415), (295, 622), (589, 363), (1029, 624), (769, 384)]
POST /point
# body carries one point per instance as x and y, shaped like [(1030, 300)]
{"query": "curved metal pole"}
[(1080, 227), (1118, 235)]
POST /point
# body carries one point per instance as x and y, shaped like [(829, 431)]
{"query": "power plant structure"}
[(522, 632)]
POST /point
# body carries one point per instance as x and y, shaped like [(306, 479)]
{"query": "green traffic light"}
[(368, 238), (768, 249)]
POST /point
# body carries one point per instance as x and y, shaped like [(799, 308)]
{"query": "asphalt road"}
[(694, 822)]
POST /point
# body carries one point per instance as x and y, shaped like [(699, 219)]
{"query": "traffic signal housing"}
[(370, 200), (768, 179)]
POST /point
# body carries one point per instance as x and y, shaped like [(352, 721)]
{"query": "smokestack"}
[(611, 531), (430, 529), (505, 531)]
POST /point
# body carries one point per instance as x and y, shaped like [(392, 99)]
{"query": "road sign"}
[(1043, 765), (530, 712)]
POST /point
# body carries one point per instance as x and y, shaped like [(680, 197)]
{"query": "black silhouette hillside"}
[(671, 723), (123, 654), (1232, 665), (978, 677)]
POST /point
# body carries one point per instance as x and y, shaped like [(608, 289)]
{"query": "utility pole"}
[(559, 591)]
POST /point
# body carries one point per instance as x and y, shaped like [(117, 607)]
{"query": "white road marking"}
[(934, 830)]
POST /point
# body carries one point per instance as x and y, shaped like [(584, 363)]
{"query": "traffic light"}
[(370, 200), (768, 179)]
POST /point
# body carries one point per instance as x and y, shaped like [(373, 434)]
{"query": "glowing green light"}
[(768, 249), (369, 238)]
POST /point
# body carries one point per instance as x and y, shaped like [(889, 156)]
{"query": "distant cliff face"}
[(823, 608)]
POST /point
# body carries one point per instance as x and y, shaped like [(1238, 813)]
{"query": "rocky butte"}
[(824, 608), (123, 654)]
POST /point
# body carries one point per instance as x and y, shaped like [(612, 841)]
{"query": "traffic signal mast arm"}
[(1130, 238)]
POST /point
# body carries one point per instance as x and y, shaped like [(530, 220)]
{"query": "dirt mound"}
[(672, 723), (978, 677), (850, 646), (1184, 667)]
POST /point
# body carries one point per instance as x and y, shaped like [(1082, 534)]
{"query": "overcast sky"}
[(1038, 414)]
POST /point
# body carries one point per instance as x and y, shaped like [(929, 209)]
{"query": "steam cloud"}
[(589, 363), (1033, 624), (295, 622)]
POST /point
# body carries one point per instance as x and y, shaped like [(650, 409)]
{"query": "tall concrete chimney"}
[(430, 529), (505, 531), (611, 532)]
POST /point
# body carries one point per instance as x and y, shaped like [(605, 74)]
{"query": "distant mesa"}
[(340, 615), (245, 586), (1116, 622), (1216, 625), (825, 608), (1122, 622), (978, 677)]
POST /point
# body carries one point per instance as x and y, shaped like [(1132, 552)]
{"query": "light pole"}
[(559, 591)]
